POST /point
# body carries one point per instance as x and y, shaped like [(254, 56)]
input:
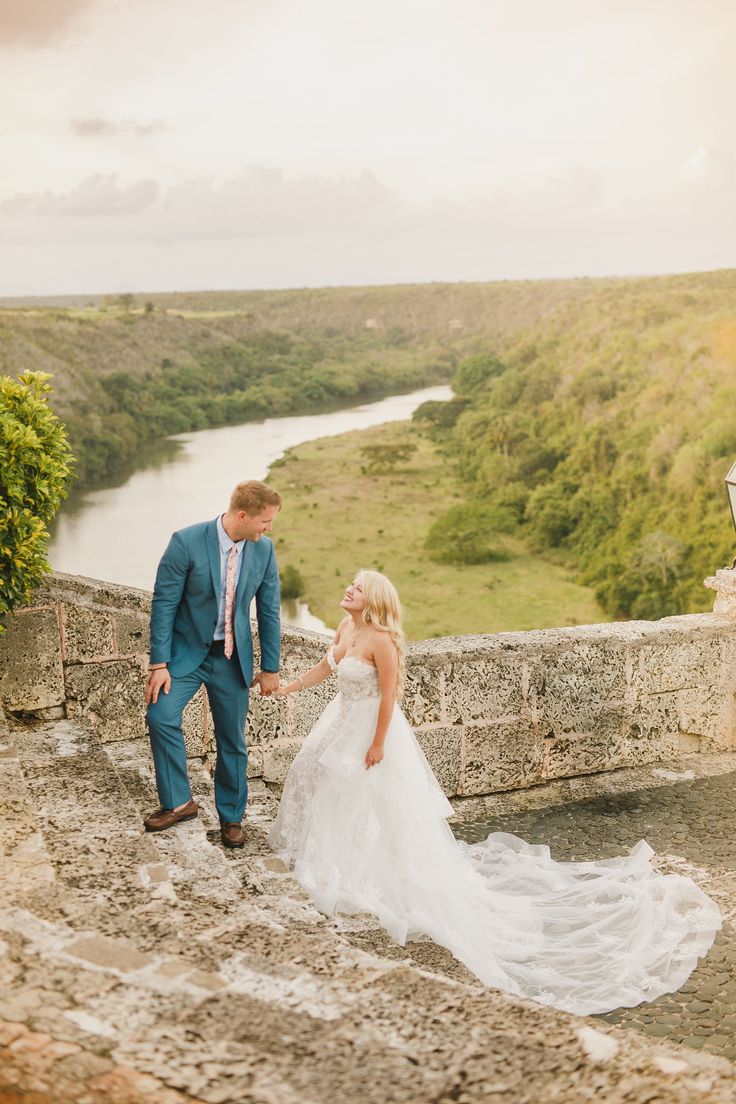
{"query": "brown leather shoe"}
[(165, 818), (232, 835)]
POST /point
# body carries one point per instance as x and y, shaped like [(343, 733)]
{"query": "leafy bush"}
[(464, 535), (35, 469), (292, 583), (472, 375), (384, 459), (439, 416)]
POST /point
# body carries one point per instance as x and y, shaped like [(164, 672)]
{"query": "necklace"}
[(357, 635)]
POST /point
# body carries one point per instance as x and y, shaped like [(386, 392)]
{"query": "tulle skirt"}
[(585, 937)]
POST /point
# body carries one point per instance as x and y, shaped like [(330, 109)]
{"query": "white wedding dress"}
[(586, 937)]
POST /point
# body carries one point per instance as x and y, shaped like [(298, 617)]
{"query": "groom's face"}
[(252, 526)]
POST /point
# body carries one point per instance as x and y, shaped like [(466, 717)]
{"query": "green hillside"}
[(131, 369), (594, 424), (602, 435)]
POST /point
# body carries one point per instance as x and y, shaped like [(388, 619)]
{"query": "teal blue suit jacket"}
[(186, 597)]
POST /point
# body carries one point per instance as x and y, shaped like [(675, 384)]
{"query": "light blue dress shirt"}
[(225, 545)]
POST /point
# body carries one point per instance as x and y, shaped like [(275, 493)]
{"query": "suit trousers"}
[(227, 693)]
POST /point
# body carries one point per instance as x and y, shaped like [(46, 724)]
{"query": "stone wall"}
[(492, 713)]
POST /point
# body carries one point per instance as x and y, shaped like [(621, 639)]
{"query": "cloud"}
[(94, 126), (262, 227), (261, 201), (38, 22), (95, 196), (711, 168)]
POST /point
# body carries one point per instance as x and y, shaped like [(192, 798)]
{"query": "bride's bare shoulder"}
[(381, 646)]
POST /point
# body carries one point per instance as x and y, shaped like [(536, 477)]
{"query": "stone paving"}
[(690, 825), (165, 969)]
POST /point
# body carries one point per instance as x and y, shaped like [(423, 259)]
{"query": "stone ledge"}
[(492, 711)]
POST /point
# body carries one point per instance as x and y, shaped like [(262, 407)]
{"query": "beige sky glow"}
[(159, 144)]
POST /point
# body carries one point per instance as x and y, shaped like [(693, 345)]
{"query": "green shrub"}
[(464, 535), (35, 468), (292, 583), (474, 373)]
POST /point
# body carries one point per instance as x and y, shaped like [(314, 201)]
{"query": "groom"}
[(200, 633)]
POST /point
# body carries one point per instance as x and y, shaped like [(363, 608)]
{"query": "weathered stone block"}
[(423, 694), (707, 715), (110, 695), (443, 748), (676, 665), (31, 673), (574, 753), (255, 762), (651, 728), (108, 953), (87, 633), (727, 639), (277, 758), (487, 689), (573, 688), (267, 719), (132, 632), (500, 756)]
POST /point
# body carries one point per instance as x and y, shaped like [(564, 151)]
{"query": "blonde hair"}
[(383, 611), (253, 496)]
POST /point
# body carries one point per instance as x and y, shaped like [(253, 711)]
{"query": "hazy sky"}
[(172, 144)]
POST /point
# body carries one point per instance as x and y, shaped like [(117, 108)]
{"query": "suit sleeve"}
[(268, 612), (167, 592)]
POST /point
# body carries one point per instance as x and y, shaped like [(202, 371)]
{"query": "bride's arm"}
[(387, 665), (312, 677), (319, 672)]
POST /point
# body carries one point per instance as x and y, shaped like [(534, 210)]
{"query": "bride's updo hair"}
[(383, 611)]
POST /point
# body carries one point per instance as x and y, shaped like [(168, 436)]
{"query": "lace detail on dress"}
[(357, 679)]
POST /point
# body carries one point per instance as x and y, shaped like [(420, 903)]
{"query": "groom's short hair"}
[(253, 497)]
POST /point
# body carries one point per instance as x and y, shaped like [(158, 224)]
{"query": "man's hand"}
[(157, 680), (268, 681)]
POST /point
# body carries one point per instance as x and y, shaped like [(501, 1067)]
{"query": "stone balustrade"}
[(494, 712)]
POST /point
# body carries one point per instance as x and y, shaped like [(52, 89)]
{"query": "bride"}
[(362, 820)]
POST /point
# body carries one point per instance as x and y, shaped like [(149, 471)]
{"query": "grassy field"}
[(338, 518)]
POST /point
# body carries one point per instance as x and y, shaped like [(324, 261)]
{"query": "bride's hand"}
[(373, 755)]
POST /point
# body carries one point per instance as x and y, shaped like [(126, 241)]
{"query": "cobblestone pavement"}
[(692, 827), (163, 969)]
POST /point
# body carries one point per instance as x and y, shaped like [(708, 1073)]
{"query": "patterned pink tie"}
[(232, 559)]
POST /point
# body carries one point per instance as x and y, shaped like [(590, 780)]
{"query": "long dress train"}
[(586, 937)]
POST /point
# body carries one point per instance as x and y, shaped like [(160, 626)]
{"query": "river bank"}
[(118, 533)]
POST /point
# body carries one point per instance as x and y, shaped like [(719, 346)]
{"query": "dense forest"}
[(602, 436)]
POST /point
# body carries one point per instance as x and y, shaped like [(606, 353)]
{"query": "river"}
[(118, 533)]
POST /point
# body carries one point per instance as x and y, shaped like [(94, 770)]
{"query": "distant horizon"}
[(200, 290)]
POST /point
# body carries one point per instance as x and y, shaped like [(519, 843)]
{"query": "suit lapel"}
[(249, 551), (213, 555)]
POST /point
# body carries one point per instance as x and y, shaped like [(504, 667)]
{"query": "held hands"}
[(373, 755), (267, 682), (157, 680)]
